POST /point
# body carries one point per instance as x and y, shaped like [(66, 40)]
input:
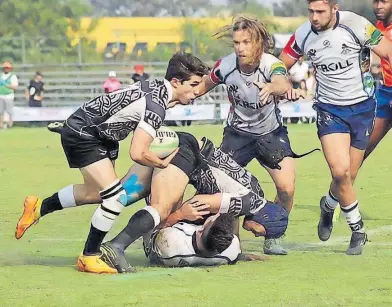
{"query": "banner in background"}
[(288, 110), (192, 112)]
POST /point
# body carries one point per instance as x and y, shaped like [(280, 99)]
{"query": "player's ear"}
[(175, 82)]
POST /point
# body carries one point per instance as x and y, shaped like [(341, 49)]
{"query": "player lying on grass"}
[(232, 189), (220, 183), (90, 139), (213, 243)]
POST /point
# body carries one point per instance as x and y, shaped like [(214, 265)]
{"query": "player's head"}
[(383, 10), (250, 38), (217, 233), (322, 13), (185, 72), (271, 221)]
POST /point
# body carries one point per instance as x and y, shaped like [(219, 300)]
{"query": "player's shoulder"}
[(228, 63), (302, 32), (352, 21)]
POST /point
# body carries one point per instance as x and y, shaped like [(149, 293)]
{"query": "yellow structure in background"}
[(139, 34)]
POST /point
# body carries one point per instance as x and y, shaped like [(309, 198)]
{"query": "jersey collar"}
[(169, 90), (334, 27)]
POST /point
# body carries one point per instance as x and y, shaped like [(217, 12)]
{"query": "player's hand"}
[(265, 91), (252, 257), (294, 94), (194, 210), (166, 161)]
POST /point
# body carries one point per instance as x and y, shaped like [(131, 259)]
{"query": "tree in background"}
[(36, 30)]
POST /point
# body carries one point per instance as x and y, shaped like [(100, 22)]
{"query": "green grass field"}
[(39, 270)]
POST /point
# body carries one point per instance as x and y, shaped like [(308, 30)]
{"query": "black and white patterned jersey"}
[(247, 113), (219, 173), (113, 116)]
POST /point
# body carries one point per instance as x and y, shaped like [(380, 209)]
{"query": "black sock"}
[(140, 223), (51, 204), (94, 240)]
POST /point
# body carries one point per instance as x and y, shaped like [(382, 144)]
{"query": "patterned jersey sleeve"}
[(216, 73), (153, 116), (367, 34)]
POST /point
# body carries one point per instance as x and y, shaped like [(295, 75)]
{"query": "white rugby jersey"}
[(342, 72), (248, 114), (176, 246), (113, 116)]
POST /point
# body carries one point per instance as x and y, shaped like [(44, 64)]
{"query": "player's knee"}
[(286, 190), (341, 174)]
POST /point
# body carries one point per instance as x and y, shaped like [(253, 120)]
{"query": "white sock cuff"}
[(67, 197), (349, 207), (155, 215)]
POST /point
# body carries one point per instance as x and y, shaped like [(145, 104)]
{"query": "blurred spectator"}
[(139, 74), (34, 93), (8, 85), (111, 84), (298, 73)]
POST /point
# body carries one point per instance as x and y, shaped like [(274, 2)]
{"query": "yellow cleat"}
[(30, 216), (94, 264)]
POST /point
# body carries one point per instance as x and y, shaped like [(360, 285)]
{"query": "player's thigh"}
[(239, 146), (284, 178), (336, 149), (100, 173), (137, 181), (167, 187), (2, 106)]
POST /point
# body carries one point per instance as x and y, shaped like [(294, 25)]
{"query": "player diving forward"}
[(90, 139), (334, 41)]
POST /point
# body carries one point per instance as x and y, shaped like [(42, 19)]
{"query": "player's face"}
[(382, 9), (243, 46), (187, 90), (321, 15)]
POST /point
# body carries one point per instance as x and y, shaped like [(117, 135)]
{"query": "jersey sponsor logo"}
[(334, 66), (326, 43), (153, 119), (345, 49), (311, 54)]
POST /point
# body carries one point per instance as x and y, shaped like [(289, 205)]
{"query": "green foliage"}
[(36, 30)]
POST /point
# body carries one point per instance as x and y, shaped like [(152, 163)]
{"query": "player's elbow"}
[(137, 154)]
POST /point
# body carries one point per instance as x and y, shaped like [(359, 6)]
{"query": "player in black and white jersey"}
[(90, 139), (335, 42), (254, 78), (222, 186)]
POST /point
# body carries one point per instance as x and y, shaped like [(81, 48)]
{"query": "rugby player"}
[(383, 11), (344, 100), (254, 78), (90, 139), (220, 183)]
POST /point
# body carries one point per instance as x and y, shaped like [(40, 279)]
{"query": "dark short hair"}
[(220, 235), (330, 2), (183, 66), (38, 73)]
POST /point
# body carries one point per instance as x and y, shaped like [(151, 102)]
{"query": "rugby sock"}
[(58, 201), (113, 200), (353, 217), (331, 202), (142, 222)]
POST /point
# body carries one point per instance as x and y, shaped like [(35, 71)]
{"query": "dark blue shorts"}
[(384, 102), (357, 120), (244, 147)]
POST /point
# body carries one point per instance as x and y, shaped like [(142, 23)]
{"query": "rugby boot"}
[(325, 224), (94, 264), (115, 258), (273, 247), (358, 240), (30, 216)]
